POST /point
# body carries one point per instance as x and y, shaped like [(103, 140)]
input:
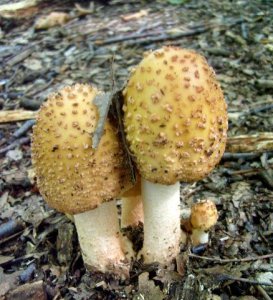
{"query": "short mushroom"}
[(75, 178), (203, 217), (131, 207), (175, 119)]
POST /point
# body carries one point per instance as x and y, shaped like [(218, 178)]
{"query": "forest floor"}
[(39, 251)]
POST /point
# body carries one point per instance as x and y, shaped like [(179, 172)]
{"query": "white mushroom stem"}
[(131, 211), (199, 236), (161, 205), (100, 240)]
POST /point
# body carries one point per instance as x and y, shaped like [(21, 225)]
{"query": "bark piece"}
[(30, 291)]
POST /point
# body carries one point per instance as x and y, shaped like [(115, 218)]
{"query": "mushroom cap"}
[(175, 116), (204, 215), (71, 175)]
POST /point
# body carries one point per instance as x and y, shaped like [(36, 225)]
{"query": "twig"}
[(263, 293), (11, 237), (254, 143), (150, 37), (119, 39), (18, 5), (166, 36), (23, 129), (244, 172), (226, 277), (16, 115), (229, 155), (259, 109), (10, 228), (224, 261), (13, 145), (22, 55), (22, 258), (32, 93)]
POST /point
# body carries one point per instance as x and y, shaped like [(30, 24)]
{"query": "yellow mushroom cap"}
[(204, 215), (72, 176), (175, 116)]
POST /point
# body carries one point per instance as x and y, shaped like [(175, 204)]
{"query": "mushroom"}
[(204, 215), (175, 119), (76, 179), (131, 207)]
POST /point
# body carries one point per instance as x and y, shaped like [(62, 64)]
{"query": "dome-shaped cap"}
[(204, 215), (71, 175), (175, 116)]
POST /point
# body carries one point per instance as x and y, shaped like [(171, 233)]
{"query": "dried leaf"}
[(16, 6), (135, 16), (148, 289), (102, 102), (52, 20)]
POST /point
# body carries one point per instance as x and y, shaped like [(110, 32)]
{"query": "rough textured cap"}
[(175, 116), (72, 176), (204, 215)]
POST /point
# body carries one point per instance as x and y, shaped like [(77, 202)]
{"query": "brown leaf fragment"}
[(7, 282), (52, 20), (135, 16), (30, 291), (5, 259), (82, 11), (65, 243), (147, 288), (11, 7)]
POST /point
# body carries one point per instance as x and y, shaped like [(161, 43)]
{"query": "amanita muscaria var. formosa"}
[(76, 179), (175, 119)]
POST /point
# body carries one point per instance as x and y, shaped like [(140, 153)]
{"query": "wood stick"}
[(232, 260), (18, 5), (141, 39), (7, 116), (256, 143)]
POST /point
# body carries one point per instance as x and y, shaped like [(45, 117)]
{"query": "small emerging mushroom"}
[(203, 217), (74, 178), (175, 119)]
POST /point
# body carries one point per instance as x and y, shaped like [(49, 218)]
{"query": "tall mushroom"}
[(75, 178), (175, 120)]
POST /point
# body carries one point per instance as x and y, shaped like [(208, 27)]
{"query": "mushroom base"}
[(161, 222), (100, 240), (199, 236)]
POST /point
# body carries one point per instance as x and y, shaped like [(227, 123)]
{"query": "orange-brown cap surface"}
[(175, 116), (204, 215), (72, 176)]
